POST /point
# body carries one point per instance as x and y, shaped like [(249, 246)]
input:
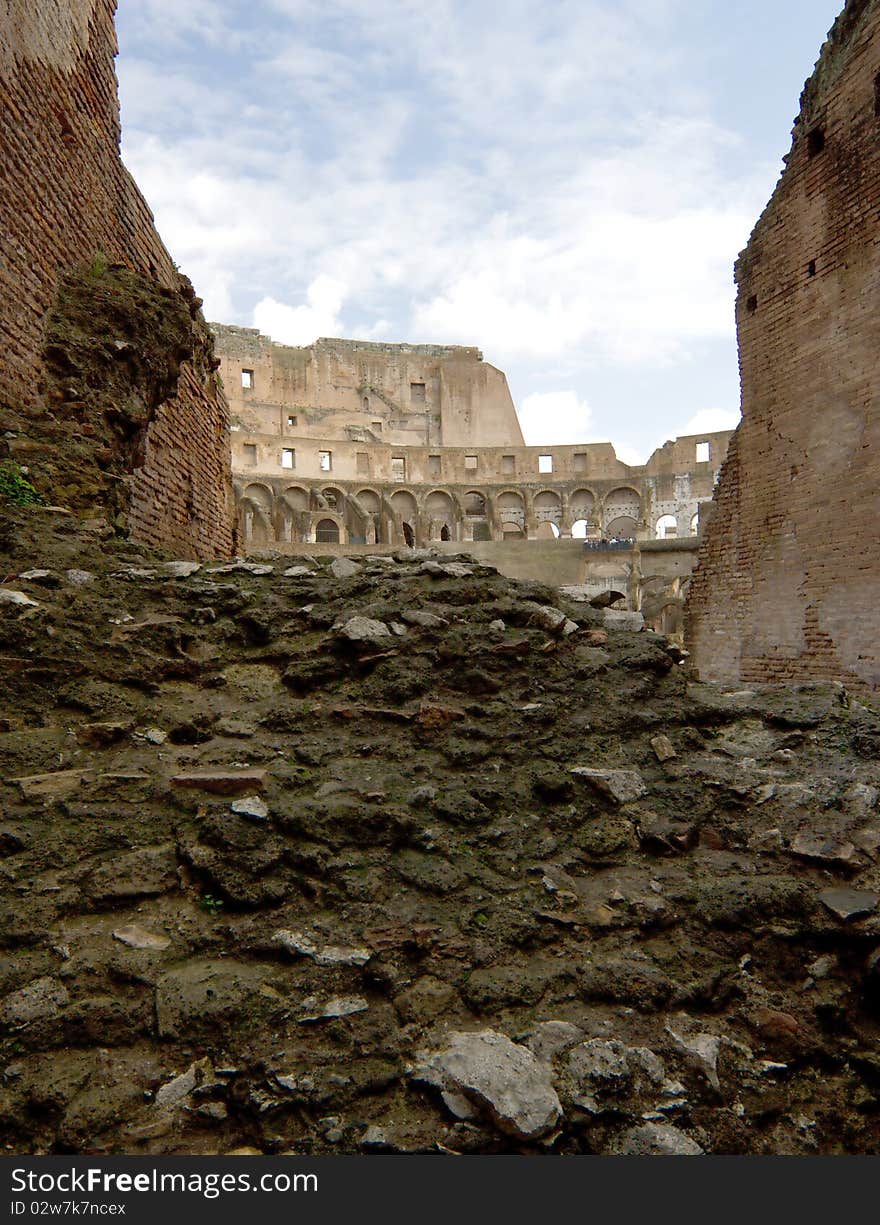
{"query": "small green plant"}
[(212, 904), (99, 265), (15, 488)]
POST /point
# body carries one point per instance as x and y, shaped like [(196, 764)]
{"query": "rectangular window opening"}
[(580, 461), (247, 379), (291, 422), (417, 392), (376, 427), (288, 457), (815, 142), (508, 465), (325, 460), (703, 452), (433, 465), (363, 463), (249, 451), (398, 468), (470, 463), (545, 464)]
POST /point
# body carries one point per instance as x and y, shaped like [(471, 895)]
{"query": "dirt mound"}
[(401, 855)]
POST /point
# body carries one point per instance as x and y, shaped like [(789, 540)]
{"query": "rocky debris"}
[(344, 567), (333, 1008), (620, 786), (181, 569), (663, 950), (664, 749), (849, 903), (251, 806), (502, 1079), (17, 599), (365, 632), (299, 945), (657, 1140), (298, 572), (221, 782), (255, 569), (137, 937), (175, 1092), (40, 1000)]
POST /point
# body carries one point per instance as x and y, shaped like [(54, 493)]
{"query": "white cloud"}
[(301, 325), (710, 421), (554, 418), (546, 188)]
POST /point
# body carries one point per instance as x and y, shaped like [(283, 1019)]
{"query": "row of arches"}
[(369, 515)]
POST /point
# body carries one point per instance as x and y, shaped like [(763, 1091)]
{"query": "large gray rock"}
[(365, 632), (620, 786), (657, 1140), (344, 567), (505, 1081)]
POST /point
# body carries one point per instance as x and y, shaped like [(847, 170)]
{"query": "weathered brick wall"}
[(788, 584), (64, 197)]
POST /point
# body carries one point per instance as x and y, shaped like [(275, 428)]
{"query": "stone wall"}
[(71, 213), (357, 390), (787, 583)]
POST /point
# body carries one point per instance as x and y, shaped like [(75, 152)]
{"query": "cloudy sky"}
[(564, 183)]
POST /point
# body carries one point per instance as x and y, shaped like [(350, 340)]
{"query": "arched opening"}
[(475, 505), (548, 509), (579, 529), (511, 531), (327, 532), (256, 515), (547, 530), (622, 528), (409, 535), (511, 510), (440, 513), (667, 527), (583, 506), (695, 524)]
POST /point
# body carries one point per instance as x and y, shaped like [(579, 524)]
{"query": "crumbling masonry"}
[(108, 393), (786, 587)]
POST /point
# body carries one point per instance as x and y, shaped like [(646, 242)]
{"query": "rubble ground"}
[(399, 855)]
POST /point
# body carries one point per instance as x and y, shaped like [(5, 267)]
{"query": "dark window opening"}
[(291, 422), (409, 536), (815, 142), (444, 532), (811, 268), (752, 304)]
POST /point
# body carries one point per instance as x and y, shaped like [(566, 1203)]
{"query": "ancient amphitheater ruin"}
[(411, 850)]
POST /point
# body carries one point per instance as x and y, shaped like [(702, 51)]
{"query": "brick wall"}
[(64, 197), (788, 583)]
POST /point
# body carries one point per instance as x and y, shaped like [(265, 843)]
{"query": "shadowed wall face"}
[(787, 584), (71, 210)]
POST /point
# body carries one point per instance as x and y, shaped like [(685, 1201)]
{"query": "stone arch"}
[(548, 508), (510, 509), (623, 503), (580, 529), (406, 515), (476, 504), (327, 532), (334, 498), (547, 530), (440, 512), (255, 515), (368, 502), (293, 503), (582, 505), (666, 527)]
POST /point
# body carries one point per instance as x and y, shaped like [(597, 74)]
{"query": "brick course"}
[(787, 584), (64, 197)]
